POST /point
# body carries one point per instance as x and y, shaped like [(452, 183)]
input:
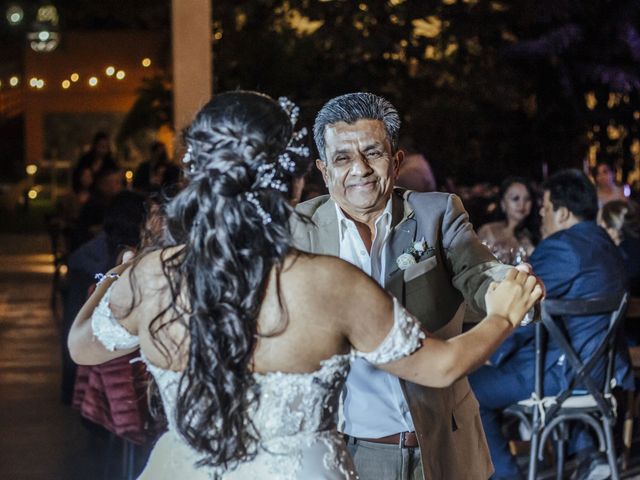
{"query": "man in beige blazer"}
[(396, 429)]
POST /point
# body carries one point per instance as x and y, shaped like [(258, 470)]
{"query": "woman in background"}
[(513, 237)]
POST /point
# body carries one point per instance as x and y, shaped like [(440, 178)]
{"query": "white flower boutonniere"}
[(411, 254)]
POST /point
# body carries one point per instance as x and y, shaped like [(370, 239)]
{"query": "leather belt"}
[(403, 440)]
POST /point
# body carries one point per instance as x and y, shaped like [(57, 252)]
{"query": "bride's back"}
[(299, 323)]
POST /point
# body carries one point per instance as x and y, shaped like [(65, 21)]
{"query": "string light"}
[(74, 77), (14, 81), (31, 169), (120, 75), (93, 81), (33, 82), (66, 84), (110, 71), (33, 194), (40, 84), (146, 62), (129, 175)]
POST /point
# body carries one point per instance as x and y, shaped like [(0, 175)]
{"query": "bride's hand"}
[(513, 297)]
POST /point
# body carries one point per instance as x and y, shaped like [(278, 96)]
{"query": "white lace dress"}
[(296, 415)]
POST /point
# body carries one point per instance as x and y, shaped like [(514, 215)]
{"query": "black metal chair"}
[(596, 408)]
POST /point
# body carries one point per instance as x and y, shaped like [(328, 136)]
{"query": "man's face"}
[(550, 218), (361, 169)]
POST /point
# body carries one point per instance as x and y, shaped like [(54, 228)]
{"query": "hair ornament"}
[(270, 174), (187, 159), (251, 198)]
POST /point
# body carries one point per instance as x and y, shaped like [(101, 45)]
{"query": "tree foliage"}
[(486, 88)]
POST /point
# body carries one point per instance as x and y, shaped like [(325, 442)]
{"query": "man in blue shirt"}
[(576, 259)]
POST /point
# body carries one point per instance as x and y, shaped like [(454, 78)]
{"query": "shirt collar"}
[(384, 220)]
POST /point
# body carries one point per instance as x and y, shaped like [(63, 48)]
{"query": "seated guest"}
[(516, 230), (576, 259), (621, 220)]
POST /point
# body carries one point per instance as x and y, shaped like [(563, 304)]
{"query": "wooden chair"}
[(548, 415)]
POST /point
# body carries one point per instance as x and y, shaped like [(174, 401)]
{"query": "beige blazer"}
[(455, 266)]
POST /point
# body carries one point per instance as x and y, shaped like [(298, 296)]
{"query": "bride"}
[(249, 340)]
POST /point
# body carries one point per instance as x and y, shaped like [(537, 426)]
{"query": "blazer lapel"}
[(323, 238), (402, 234)]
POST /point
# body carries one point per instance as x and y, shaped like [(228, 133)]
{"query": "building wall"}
[(87, 54)]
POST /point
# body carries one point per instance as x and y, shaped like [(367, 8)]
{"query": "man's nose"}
[(360, 166)]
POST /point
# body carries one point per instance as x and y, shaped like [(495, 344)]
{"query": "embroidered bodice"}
[(299, 405)]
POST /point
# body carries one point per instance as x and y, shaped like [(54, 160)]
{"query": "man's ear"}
[(398, 159), (562, 215), (320, 165)]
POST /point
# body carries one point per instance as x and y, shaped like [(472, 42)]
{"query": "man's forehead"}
[(341, 133)]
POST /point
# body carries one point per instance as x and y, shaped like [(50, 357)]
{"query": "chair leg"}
[(560, 444), (533, 454), (611, 450), (627, 430)]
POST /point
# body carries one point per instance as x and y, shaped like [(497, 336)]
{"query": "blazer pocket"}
[(417, 269)]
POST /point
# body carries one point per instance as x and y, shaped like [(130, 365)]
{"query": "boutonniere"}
[(411, 254)]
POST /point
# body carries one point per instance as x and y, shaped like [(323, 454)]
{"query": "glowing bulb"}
[(40, 83), (93, 81), (33, 194), (33, 82), (120, 75), (110, 71), (31, 169), (146, 62), (66, 84), (128, 175), (74, 77), (13, 81), (43, 36), (15, 14)]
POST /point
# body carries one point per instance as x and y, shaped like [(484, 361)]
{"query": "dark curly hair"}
[(229, 252)]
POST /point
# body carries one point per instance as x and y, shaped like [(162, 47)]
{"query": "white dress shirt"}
[(373, 405)]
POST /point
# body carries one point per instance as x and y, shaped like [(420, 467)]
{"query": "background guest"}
[(157, 173), (621, 220), (604, 177), (99, 155), (107, 184), (123, 220), (516, 231), (415, 172)]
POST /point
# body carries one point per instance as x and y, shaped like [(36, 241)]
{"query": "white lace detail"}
[(404, 338), (296, 415), (107, 329)]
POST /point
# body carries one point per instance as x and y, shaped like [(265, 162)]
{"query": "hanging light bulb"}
[(44, 35)]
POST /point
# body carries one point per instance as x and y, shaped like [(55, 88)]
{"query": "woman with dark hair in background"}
[(604, 176), (621, 220), (513, 237), (248, 339)]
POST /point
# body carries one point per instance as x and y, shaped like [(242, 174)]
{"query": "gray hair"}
[(352, 107)]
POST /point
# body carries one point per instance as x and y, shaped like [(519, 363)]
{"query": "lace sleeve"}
[(107, 329), (404, 338)]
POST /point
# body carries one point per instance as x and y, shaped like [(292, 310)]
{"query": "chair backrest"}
[(552, 312)]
